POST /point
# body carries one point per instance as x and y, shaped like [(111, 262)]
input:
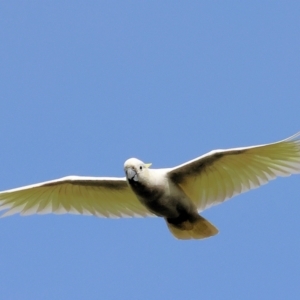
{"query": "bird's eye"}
[(141, 168)]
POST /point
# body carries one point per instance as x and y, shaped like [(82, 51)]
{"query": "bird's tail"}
[(198, 228)]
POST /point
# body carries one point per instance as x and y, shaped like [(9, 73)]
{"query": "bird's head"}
[(135, 170)]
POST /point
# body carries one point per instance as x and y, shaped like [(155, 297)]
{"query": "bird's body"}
[(160, 195), (156, 191), (176, 194)]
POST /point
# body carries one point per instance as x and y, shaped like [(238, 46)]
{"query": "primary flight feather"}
[(177, 194)]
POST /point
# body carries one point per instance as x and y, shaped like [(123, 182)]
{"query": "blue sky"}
[(85, 85)]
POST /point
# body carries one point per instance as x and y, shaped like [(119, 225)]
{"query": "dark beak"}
[(131, 174)]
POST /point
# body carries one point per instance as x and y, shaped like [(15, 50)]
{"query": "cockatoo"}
[(176, 194)]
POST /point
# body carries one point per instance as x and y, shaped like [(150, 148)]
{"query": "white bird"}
[(177, 194)]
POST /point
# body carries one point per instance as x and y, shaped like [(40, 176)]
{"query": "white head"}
[(135, 169)]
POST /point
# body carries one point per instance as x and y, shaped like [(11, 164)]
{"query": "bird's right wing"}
[(221, 174), (98, 196)]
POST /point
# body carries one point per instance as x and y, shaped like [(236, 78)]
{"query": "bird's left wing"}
[(221, 174), (98, 196)]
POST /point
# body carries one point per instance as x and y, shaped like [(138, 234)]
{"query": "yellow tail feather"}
[(196, 229)]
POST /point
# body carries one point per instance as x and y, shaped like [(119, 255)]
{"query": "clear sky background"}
[(85, 85)]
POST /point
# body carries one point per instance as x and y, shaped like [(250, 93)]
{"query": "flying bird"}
[(176, 194)]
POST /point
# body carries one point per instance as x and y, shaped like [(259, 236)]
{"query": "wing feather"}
[(221, 188), (221, 174), (102, 197), (228, 183)]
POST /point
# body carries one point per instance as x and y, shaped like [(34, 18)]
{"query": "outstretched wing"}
[(103, 197), (221, 174)]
